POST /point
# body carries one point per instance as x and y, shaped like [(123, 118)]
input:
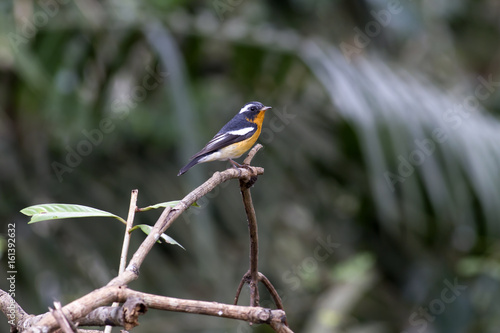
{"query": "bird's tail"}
[(188, 166)]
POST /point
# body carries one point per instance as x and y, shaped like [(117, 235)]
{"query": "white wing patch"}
[(241, 131), (222, 137)]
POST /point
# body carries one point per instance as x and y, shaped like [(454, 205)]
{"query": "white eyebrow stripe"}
[(241, 131), (245, 108)]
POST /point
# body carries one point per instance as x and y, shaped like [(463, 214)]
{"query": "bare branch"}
[(139, 302), (253, 276), (13, 311), (126, 237), (281, 328), (252, 153), (126, 316), (240, 287), (91, 309), (105, 315), (274, 294), (170, 214), (134, 307), (65, 325), (254, 243)]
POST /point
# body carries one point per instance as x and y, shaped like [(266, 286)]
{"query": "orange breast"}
[(237, 149)]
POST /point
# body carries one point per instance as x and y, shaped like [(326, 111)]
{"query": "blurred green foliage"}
[(381, 154)]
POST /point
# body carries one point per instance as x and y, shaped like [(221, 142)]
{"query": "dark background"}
[(378, 210)]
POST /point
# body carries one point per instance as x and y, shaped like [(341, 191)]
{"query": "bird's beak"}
[(265, 108)]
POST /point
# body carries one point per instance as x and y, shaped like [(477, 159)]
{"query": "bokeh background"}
[(379, 208)]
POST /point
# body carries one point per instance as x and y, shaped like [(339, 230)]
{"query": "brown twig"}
[(251, 154), (240, 287), (253, 276), (281, 327), (170, 214), (254, 243), (274, 294), (65, 325)]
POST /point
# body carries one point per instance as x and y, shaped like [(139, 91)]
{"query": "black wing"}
[(221, 140)]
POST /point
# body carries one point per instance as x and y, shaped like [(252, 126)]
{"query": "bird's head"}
[(253, 108)]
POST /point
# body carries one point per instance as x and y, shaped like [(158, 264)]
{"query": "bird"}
[(234, 138)]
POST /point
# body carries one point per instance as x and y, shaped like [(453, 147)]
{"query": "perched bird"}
[(235, 138)]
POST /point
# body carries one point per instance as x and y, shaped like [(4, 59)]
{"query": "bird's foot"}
[(237, 165)]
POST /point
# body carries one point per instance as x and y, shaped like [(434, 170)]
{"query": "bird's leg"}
[(237, 165)]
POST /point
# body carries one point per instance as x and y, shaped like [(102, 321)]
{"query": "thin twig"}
[(281, 328), (238, 291), (126, 237), (254, 243), (252, 276), (126, 241), (64, 324), (274, 294), (252, 153), (244, 279)]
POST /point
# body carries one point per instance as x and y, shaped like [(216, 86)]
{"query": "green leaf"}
[(63, 211), (164, 205), (147, 229)]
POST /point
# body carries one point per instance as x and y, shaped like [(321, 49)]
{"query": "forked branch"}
[(253, 276), (91, 308)]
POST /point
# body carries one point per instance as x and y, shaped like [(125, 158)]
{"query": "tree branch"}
[(254, 243), (253, 276), (274, 294), (126, 316), (13, 311), (90, 307), (65, 325), (170, 214)]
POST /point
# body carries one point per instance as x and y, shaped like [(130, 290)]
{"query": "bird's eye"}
[(253, 108)]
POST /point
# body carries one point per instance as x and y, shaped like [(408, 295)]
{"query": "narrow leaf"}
[(147, 229), (63, 211)]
